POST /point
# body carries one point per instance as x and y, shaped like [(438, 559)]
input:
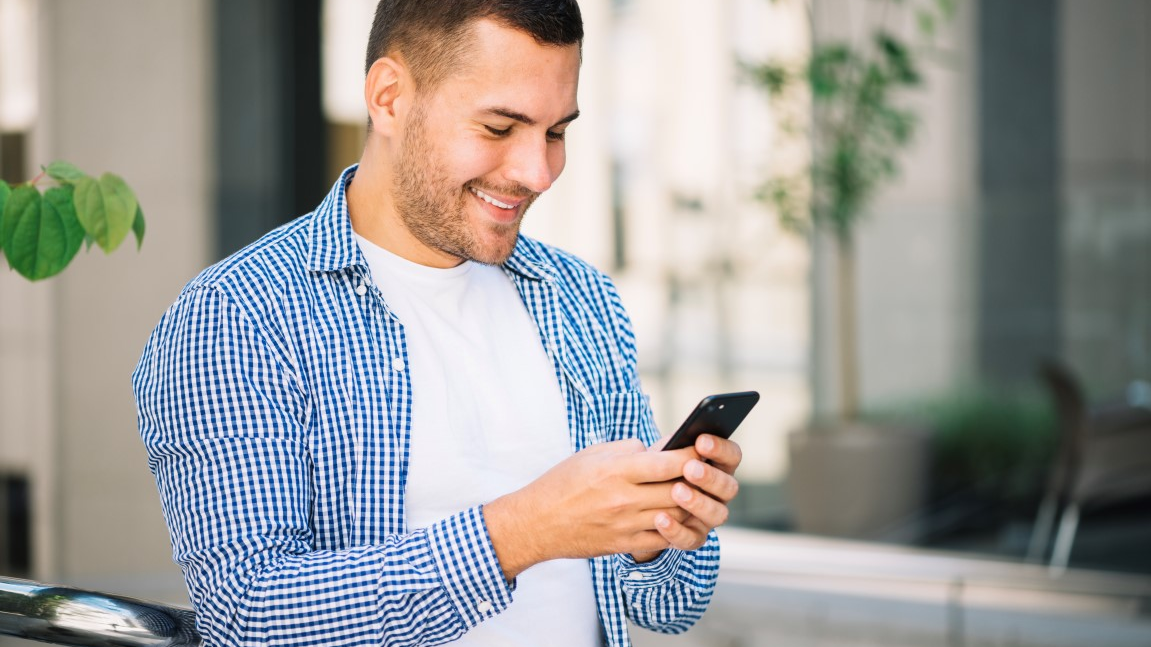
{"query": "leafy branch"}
[(858, 129), (40, 233)]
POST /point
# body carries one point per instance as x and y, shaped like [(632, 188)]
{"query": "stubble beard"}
[(436, 213)]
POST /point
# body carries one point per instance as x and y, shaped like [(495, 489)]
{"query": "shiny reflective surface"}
[(65, 616)]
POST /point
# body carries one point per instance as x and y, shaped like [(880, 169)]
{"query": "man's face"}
[(480, 147)]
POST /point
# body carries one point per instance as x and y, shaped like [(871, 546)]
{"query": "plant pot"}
[(860, 481)]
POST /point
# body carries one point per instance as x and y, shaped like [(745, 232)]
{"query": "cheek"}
[(474, 160), (557, 159)]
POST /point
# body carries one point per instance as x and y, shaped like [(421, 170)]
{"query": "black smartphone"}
[(717, 415)]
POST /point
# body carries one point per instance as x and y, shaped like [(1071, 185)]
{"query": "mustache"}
[(509, 190)]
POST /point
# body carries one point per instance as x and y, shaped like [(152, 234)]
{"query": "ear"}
[(385, 90)]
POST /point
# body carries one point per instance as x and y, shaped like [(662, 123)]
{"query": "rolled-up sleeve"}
[(670, 593), (223, 416)]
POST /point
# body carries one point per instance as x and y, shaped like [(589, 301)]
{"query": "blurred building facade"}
[(1020, 227), (124, 87)]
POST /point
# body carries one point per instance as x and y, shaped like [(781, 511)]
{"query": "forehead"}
[(507, 67)]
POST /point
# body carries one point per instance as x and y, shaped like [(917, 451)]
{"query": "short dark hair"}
[(428, 34)]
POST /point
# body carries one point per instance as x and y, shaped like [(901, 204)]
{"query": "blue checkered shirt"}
[(275, 405)]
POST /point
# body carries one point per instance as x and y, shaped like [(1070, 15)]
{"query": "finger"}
[(679, 535), (662, 501), (686, 452), (712, 480), (657, 467), (723, 453), (646, 497), (644, 500), (646, 545), (677, 513), (711, 513)]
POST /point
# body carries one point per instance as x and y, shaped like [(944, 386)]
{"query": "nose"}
[(535, 164)]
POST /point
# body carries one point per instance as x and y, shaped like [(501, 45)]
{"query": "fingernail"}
[(706, 443), (663, 521), (681, 493), (694, 470)]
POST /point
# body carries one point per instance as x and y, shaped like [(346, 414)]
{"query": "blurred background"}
[(988, 487)]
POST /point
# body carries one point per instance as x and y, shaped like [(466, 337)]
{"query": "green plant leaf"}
[(5, 191), (774, 77), (106, 208), (946, 8), (926, 21), (46, 235), (138, 227), (66, 172), (59, 205), (829, 70), (900, 124), (23, 219), (898, 57), (24, 202)]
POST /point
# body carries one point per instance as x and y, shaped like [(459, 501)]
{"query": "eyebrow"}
[(528, 121)]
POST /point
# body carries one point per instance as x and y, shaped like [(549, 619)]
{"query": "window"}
[(15, 526)]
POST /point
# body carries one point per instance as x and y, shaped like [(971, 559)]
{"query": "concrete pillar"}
[(271, 137), (1019, 178)]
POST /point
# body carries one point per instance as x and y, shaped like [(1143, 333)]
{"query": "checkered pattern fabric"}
[(275, 405)]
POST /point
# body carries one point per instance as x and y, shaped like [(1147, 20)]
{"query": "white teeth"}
[(490, 200)]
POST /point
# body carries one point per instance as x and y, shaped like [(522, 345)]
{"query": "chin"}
[(493, 256), (495, 248)]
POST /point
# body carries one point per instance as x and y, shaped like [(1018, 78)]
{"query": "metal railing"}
[(67, 616)]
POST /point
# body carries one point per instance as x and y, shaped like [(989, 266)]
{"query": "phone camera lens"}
[(711, 407)]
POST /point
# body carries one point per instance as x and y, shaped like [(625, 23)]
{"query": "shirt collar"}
[(334, 246), (527, 262), (333, 241)]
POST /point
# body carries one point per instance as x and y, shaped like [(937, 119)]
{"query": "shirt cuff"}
[(468, 566), (657, 572)]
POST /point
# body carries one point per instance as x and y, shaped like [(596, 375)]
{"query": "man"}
[(397, 421)]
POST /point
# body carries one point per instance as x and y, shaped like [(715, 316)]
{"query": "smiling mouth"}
[(492, 201)]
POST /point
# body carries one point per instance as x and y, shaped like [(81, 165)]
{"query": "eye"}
[(554, 136), (497, 132)]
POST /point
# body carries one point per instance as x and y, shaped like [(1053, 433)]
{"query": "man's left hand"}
[(704, 493)]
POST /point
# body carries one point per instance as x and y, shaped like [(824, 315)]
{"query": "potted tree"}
[(843, 471)]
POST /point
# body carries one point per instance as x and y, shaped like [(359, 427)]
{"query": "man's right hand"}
[(600, 501)]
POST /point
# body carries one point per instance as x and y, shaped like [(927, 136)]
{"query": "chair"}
[(1104, 457)]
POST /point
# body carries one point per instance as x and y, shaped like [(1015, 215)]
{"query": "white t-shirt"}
[(487, 418)]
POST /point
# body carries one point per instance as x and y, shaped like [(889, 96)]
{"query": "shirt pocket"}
[(623, 415)]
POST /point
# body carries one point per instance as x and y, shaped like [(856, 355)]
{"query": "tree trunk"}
[(848, 353)]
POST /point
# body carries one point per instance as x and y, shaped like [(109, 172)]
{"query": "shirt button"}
[(484, 607), (398, 365), (635, 576), (361, 289)]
